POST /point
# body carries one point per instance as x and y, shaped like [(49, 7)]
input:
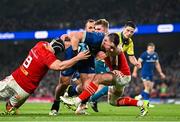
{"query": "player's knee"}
[(97, 78), (147, 85), (79, 88), (105, 78), (122, 81), (64, 80)]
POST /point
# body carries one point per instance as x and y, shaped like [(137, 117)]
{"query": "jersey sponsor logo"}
[(151, 60)]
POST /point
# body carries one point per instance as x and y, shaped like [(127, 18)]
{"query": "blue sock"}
[(99, 94), (72, 90), (145, 95)]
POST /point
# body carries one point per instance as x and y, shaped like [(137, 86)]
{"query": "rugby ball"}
[(82, 47)]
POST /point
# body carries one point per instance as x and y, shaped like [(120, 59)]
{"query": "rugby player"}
[(74, 76), (25, 79), (126, 42), (149, 60), (117, 80)]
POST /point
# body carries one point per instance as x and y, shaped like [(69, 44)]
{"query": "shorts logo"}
[(92, 68)]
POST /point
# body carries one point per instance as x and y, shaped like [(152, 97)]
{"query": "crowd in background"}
[(59, 14)]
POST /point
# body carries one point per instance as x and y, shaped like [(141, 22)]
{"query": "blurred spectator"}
[(37, 14)]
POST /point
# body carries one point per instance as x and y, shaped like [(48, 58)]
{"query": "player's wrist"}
[(136, 64), (161, 73), (75, 52)]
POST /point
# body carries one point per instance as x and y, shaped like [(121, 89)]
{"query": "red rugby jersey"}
[(34, 67)]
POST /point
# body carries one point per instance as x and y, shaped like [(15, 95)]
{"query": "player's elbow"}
[(57, 65), (62, 67)]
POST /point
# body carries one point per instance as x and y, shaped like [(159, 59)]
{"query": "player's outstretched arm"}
[(62, 65)]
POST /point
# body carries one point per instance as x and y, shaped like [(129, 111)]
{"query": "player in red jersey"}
[(25, 79), (117, 79)]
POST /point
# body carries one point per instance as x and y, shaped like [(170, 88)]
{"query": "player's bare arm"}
[(134, 74), (75, 38), (62, 65), (158, 67), (134, 61)]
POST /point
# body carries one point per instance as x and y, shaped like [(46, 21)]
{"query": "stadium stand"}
[(37, 14)]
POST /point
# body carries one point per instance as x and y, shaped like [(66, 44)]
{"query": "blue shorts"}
[(147, 78), (83, 66)]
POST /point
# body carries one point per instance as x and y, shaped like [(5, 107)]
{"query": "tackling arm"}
[(62, 65)]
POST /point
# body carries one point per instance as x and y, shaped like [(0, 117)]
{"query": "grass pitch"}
[(39, 112)]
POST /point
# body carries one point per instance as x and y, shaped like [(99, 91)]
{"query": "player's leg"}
[(59, 91), (75, 88), (147, 88), (64, 81), (93, 99), (92, 86), (10, 88), (100, 67), (112, 78), (127, 101), (87, 73), (15, 102), (71, 90), (86, 76), (115, 100), (145, 93)]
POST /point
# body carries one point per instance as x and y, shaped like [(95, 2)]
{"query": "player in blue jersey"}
[(89, 27), (95, 42), (76, 86), (102, 26), (149, 60)]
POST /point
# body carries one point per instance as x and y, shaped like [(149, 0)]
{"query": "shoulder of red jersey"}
[(42, 49), (42, 43)]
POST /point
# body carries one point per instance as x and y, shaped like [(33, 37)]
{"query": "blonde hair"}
[(102, 22)]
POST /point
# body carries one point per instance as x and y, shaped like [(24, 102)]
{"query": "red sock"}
[(88, 91), (127, 101)]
